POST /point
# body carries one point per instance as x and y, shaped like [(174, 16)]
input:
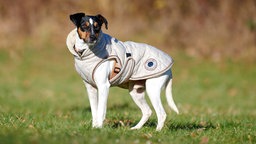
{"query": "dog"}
[(103, 61)]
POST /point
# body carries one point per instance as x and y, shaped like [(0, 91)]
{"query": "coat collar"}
[(71, 41)]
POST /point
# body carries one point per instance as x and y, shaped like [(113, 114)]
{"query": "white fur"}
[(98, 96), (90, 21)]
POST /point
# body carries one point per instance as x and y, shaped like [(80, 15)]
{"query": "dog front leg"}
[(103, 85), (93, 99), (102, 103)]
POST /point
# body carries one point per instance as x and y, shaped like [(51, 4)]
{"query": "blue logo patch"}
[(150, 64)]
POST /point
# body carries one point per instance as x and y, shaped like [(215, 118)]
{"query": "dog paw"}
[(135, 128), (96, 125), (159, 128)]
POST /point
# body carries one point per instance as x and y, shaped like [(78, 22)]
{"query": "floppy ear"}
[(103, 20), (76, 18)]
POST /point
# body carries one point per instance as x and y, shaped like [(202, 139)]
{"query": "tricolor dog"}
[(103, 61)]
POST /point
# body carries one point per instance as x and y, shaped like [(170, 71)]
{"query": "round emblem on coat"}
[(150, 64)]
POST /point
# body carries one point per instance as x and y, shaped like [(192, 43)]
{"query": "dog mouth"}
[(90, 42), (92, 39)]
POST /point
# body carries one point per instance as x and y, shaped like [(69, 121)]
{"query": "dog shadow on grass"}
[(128, 121), (191, 126)]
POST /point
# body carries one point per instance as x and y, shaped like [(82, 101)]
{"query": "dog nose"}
[(92, 37)]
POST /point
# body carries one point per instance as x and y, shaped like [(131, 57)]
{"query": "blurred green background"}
[(213, 43)]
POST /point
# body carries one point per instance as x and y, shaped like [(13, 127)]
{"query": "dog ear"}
[(103, 20), (76, 18)]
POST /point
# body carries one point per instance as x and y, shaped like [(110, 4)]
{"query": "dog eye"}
[(85, 28)]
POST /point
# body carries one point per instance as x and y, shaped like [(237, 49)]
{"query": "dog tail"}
[(169, 98)]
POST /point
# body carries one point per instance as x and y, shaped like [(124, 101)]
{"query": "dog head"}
[(88, 27)]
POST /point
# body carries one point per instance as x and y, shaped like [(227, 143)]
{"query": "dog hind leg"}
[(153, 88), (137, 92)]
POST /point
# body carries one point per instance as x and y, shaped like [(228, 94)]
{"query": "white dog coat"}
[(137, 61)]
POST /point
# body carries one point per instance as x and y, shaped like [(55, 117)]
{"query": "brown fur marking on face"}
[(87, 24), (83, 35), (95, 24)]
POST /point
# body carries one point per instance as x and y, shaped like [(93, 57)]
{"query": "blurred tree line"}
[(213, 29)]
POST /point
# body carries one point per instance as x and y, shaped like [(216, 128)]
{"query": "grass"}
[(42, 100)]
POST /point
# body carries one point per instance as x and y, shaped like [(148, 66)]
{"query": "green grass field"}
[(43, 100)]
